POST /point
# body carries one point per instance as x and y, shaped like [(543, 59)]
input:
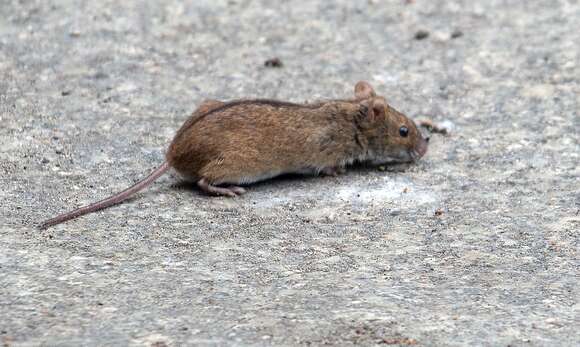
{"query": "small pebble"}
[(456, 33), (395, 212), (447, 125), (100, 75), (421, 34), (444, 128), (273, 62)]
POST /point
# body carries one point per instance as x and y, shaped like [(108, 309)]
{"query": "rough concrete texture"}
[(477, 244)]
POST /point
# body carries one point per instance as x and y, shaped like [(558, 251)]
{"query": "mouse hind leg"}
[(231, 191), (215, 178), (224, 174)]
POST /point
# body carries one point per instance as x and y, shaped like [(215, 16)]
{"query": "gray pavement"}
[(477, 244)]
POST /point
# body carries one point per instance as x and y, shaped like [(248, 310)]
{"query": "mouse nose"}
[(427, 139)]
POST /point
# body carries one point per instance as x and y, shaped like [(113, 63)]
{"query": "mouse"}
[(225, 146)]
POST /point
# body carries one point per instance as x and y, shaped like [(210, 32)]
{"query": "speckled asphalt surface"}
[(477, 244)]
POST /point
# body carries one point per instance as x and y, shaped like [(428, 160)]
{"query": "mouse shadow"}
[(290, 178), (183, 184)]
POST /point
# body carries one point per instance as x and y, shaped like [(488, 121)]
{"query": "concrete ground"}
[(477, 244)]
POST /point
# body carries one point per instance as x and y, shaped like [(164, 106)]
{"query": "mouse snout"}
[(422, 146)]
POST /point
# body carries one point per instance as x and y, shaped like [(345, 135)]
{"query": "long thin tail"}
[(113, 200)]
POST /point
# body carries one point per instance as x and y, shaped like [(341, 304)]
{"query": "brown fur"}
[(249, 140)]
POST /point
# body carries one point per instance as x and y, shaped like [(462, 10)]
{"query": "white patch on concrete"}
[(383, 192), (387, 190), (539, 91), (152, 340)]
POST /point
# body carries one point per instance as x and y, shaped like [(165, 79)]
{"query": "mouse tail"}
[(112, 200)]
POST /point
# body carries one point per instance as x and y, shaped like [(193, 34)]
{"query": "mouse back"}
[(257, 139)]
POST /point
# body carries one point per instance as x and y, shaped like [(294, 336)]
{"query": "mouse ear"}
[(363, 90), (376, 109)]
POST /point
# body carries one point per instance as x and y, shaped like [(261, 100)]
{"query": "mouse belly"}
[(223, 176), (220, 173)]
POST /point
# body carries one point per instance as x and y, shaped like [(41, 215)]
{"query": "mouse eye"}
[(403, 131)]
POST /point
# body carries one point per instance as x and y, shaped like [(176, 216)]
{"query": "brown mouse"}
[(227, 144)]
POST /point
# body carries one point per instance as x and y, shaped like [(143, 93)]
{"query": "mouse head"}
[(393, 137)]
